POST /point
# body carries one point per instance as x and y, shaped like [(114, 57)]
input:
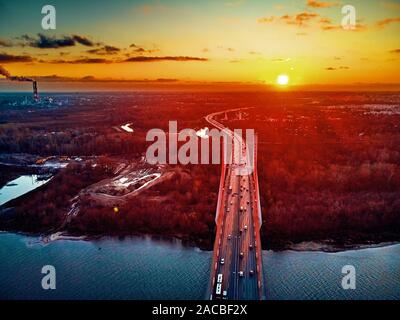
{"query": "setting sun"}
[(282, 80)]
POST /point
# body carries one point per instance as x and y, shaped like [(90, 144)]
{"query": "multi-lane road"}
[(237, 266)]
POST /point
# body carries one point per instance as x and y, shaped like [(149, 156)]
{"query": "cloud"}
[(9, 58), (299, 19), (78, 61), (165, 58), (266, 19), (383, 23), (325, 21), (142, 50), (105, 50), (5, 43), (83, 41), (87, 60), (89, 78), (303, 19), (45, 42), (339, 68), (321, 4), (280, 59), (328, 27)]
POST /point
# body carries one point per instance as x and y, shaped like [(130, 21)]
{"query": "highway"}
[(236, 272)]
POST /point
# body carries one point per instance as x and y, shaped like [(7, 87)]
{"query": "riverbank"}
[(310, 246), (327, 246)]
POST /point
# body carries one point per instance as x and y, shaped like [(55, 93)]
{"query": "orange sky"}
[(212, 41)]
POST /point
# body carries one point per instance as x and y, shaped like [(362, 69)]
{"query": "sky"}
[(244, 41)]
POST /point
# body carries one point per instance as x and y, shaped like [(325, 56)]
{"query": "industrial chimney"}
[(35, 92)]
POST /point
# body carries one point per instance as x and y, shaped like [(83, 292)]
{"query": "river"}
[(145, 268), (19, 187)]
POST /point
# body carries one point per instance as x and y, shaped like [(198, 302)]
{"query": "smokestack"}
[(35, 91), (5, 73)]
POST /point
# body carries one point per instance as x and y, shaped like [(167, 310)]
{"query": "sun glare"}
[(282, 80)]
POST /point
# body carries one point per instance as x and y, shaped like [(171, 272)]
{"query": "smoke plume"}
[(6, 74)]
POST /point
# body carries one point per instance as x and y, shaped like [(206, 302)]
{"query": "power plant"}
[(35, 91)]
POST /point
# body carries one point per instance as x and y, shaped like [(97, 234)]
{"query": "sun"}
[(282, 80)]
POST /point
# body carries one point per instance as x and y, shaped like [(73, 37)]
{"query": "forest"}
[(328, 165)]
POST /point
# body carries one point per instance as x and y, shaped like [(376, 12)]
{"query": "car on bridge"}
[(218, 289)]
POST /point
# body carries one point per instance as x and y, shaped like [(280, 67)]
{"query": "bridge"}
[(236, 271)]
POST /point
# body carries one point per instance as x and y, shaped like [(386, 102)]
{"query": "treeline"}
[(82, 142)]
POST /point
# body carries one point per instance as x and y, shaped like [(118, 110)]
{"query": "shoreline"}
[(306, 246), (317, 246)]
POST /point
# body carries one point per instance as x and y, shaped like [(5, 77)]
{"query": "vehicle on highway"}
[(241, 274), (245, 227), (224, 295), (230, 189), (251, 272), (241, 208), (229, 237), (219, 278), (241, 255), (222, 261), (218, 289), (251, 247)]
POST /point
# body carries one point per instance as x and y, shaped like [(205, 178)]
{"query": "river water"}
[(19, 187), (145, 268)]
